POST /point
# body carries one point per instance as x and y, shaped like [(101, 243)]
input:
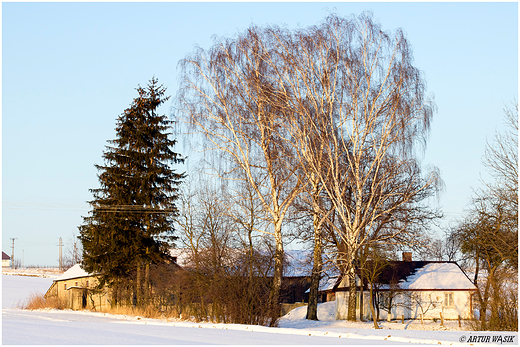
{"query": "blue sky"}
[(70, 69)]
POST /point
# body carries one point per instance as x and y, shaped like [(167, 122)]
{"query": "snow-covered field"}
[(81, 328)]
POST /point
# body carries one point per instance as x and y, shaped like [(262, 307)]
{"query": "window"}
[(448, 300), (87, 284), (76, 284), (65, 286)]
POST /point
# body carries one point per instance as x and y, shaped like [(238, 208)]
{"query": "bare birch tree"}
[(354, 86), (340, 104), (230, 96), (302, 65)]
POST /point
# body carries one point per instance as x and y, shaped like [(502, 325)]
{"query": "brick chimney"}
[(407, 256)]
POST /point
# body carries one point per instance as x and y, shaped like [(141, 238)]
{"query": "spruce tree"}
[(130, 225)]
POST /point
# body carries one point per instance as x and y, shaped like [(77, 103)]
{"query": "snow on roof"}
[(329, 284), (326, 283), (74, 272), (181, 255), (438, 276), (298, 263)]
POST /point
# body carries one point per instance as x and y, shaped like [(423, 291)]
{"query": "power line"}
[(101, 208), (43, 206), (132, 209)]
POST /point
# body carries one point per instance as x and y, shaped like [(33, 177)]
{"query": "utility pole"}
[(12, 252), (60, 259), (75, 254)]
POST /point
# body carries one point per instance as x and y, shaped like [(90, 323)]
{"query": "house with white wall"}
[(76, 289), (413, 290), (6, 260)]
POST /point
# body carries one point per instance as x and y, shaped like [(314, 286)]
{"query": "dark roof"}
[(297, 263), (394, 271), (5, 256)]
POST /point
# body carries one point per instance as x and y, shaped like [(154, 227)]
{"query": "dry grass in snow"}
[(37, 301)]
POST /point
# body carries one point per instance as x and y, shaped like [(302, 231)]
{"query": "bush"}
[(37, 301), (501, 306)]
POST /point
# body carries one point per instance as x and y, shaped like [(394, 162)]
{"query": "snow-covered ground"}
[(35, 272), (18, 286), (81, 327)]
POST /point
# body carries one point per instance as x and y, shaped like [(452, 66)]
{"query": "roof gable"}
[(420, 275), (5, 256), (74, 272), (438, 276), (398, 271)]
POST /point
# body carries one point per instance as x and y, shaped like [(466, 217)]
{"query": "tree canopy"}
[(131, 221), (336, 109)]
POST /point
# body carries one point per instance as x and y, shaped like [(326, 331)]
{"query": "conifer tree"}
[(130, 225)]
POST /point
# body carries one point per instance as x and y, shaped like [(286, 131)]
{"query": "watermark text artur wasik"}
[(495, 339)]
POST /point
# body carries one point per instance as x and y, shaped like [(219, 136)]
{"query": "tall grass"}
[(37, 301), (145, 312)]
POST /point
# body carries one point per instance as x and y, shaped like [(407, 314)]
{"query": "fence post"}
[(442, 320), (402, 319), (459, 322)]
